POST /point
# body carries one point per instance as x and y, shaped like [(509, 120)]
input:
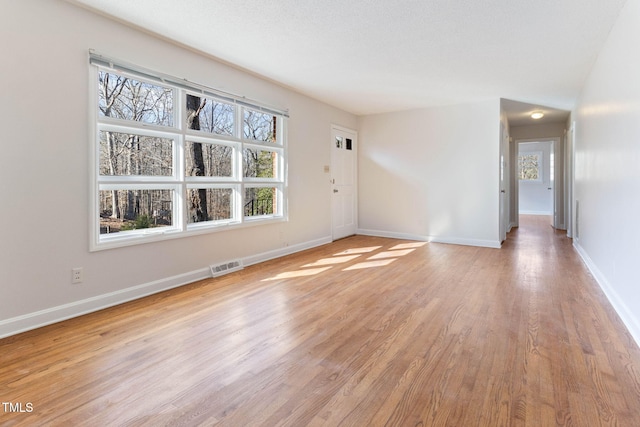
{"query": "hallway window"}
[(530, 167)]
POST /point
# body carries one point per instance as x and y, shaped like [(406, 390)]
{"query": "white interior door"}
[(343, 182)]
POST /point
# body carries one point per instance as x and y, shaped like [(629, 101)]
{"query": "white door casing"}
[(537, 196), (504, 182), (343, 182), (570, 182)]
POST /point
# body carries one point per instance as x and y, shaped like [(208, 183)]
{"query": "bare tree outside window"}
[(128, 99), (173, 157), (257, 163), (197, 198), (215, 117), (259, 126), (219, 205), (209, 160)]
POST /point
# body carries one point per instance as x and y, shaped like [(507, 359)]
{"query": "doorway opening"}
[(536, 171)]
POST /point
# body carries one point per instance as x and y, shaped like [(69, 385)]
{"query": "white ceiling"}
[(374, 56)]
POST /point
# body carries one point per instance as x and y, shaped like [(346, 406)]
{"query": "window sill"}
[(148, 236)]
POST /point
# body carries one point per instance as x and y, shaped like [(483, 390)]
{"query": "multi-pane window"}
[(171, 161)]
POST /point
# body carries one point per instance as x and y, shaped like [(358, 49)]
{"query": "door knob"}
[(335, 191)]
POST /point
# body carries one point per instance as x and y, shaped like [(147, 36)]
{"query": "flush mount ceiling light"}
[(537, 115)]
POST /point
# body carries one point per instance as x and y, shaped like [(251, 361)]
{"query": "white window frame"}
[(178, 183)]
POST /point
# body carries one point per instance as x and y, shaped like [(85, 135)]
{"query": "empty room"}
[(301, 213)]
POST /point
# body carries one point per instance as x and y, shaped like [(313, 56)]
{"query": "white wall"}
[(44, 174), (607, 167), (432, 174)]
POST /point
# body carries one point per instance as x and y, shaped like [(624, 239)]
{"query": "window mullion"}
[(239, 166), (180, 120)]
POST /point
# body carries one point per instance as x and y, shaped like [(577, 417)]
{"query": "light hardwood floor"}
[(364, 332)]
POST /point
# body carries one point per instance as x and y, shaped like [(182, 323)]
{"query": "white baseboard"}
[(494, 244), (26, 322), (392, 235), (287, 250), (448, 240), (535, 213), (626, 315)]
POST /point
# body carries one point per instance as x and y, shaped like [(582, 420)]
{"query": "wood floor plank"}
[(363, 331)]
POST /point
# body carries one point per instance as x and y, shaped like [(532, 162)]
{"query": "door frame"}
[(570, 219), (355, 175), (558, 169), (505, 173)]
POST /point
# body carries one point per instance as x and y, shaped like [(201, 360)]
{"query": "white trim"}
[(626, 315), (29, 321), (492, 244), (558, 170), (287, 250), (392, 235), (544, 213), (94, 156), (192, 230), (571, 197), (433, 239), (51, 315), (123, 67)]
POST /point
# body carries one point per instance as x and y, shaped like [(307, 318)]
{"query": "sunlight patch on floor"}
[(370, 264), (391, 254), (408, 245), (359, 250), (331, 261), (379, 259), (298, 273)]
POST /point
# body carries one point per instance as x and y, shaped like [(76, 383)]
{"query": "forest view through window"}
[(529, 166), (170, 160)]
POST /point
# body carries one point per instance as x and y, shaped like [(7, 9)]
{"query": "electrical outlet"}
[(76, 275)]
